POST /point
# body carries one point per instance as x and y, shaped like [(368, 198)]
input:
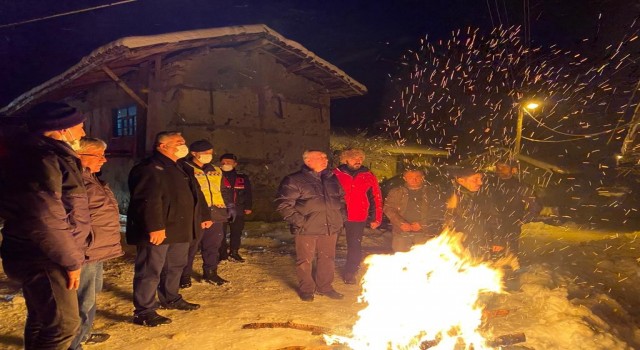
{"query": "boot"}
[(185, 282), (211, 277), (233, 255)]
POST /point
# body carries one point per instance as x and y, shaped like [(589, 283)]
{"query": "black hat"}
[(229, 156), (50, 116), (200, 146), (462, 171)]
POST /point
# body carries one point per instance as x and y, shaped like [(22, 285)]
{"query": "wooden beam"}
[(125, 87)]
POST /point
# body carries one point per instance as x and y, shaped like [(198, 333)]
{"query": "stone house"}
[(247, 89)]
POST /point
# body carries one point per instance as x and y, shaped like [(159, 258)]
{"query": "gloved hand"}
[(231, 212)]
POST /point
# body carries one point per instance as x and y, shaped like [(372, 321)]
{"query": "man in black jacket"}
[(240, 186), (161, 221), (473, 211), (312, 202), (45, 235)]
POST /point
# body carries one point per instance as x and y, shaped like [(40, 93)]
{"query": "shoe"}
[(180, 304), (306, 296), (185, 282), (96, 338), (211, 277), (234, 256), (151, 319), (332, 294), (350, 278)]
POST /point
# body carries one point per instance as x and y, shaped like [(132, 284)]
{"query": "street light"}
[(521, 108)]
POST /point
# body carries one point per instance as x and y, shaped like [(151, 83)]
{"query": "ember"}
[(429, 294)]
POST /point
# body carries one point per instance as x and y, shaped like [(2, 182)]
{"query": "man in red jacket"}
[(361, 189)]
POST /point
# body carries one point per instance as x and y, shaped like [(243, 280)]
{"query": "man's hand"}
[(415, 227), (73, 279), (405, 227), (157, 237), (374, 225), (247, 211), (206, 224), (231, 213)]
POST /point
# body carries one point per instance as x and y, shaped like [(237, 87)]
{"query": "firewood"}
[(503, 340), (315, 330)]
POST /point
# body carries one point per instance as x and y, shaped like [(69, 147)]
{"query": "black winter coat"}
[(105, 220), (240, 186), (163, 197), (312, 203), (44, 204)]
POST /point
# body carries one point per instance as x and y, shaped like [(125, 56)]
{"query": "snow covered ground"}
[(578, 289)]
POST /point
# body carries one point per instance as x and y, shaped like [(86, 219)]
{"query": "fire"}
[(425, 298)]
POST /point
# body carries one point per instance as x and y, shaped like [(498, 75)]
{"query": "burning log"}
[(315, 330), (488, 314), (503, 340)]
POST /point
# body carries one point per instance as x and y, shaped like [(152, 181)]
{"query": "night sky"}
[(365, 38)]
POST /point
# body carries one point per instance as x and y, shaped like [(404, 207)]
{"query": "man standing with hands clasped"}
[(362, 192), (408, 209), (312, 202), (161, 222)]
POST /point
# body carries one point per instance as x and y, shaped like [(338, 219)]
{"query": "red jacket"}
[(358, 186)]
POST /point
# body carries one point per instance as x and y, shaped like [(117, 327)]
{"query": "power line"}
[(577, 135), (65, 14)]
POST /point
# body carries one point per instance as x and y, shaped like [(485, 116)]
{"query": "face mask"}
[(181, 151), (74, 143), (227, 167), (205, 158)]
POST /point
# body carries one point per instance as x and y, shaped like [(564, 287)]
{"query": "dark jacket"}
[(240, 187), (163, 197), (431, 209), (105, 220), (477, 216), (360, 186), (44, 204), (516, 202), (312, 203)]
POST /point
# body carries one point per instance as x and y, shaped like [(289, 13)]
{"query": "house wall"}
[(242, 102)]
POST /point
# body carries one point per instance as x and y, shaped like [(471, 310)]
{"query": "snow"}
[(577, 289)]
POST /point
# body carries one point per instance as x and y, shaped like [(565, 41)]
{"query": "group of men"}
[(61, 223), (320, 203)]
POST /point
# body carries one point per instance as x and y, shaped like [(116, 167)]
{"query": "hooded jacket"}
[(312, 203), (44, 204), (359, 186)]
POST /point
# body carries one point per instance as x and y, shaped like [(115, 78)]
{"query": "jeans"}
[(90, 285), (52, 309)]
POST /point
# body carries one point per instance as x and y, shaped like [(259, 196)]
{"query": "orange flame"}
[(429, 294)]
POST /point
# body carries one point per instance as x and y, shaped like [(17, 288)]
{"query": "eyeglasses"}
[(94, 155)]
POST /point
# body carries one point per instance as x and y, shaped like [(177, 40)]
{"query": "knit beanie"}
[(200, 146), (50, 116)]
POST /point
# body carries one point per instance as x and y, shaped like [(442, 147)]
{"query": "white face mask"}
[(74, 143), (227, 167), (205, 158), (181, 151)]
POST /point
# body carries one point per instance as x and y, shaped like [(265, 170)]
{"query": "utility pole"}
[(516, 147)]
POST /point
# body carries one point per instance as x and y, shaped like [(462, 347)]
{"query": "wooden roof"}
[(126, 54)]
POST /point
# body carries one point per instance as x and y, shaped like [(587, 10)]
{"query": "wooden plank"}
[(125, 87)]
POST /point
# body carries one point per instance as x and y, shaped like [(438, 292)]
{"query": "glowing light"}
[(430, 294), (531, 106)]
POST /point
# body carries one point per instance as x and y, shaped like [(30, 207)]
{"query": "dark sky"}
[(365, 38)]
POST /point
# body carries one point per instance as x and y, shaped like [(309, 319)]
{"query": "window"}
[(124, 121)]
